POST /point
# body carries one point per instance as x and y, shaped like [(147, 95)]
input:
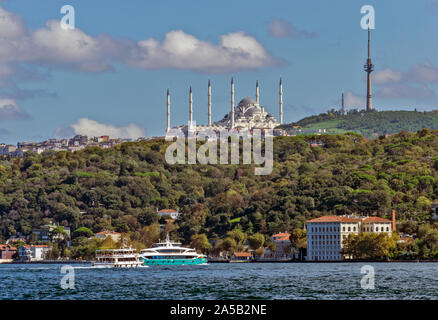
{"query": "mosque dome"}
[(247, 101)]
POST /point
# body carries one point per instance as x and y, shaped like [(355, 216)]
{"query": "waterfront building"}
[(283, 250), (241, 257), (325, 234), (7, 253), (376, 225), (33, 252)]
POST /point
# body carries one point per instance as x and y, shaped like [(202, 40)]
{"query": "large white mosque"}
[(248, 114)]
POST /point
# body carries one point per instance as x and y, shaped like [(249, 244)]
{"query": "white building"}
[(33, 252), (174, 214), (326, 234)]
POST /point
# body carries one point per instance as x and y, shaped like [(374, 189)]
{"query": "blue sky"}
[(118, 86)]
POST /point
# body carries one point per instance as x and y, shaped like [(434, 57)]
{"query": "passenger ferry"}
[(118, 258), (171, 253)]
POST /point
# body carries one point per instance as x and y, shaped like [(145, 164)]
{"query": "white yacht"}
[(118, 258), (171, 253)]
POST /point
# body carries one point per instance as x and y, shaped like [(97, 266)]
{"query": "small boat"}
[(171, 253), (118, 258)]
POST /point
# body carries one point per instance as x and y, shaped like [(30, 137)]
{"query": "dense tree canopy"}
[(121, 188)]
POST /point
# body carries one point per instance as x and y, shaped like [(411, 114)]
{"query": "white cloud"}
[(412, 84), (424, 73), (11, 25), (74, 49), (387, 76), (93, 128), (179, 50), (9, 110), (352, 100), (405, 91), (283, 29)]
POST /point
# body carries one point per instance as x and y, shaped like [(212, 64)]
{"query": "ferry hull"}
[(155, 262)]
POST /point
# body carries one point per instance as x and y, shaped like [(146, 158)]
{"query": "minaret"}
[(190, 108), (168, 112), (342, 104), (209, 103), (281, 101), (232, 102), (369, 67), (257, 92)]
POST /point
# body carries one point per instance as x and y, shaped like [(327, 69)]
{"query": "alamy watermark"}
[(367, 281), (228, 140), (368, 20), (68, 281), (68, 20)]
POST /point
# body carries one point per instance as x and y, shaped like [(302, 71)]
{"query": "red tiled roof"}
[(334, 219), (375, 219), (281, 236), (7, 247), (107, 232), (242, 254), (167, 210)]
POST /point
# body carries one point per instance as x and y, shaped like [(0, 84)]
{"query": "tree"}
[(256, 241), (229, 244), (147, 217), (238, 236), (108, 243), (368, 245), (298, 239), (200, 242), (150, 234), (82, 232)]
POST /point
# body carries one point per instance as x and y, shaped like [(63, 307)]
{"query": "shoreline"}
[(345, 261), (50, 262), (239, 262)]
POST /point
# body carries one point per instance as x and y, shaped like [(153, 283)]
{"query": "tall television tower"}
[(369, 67)]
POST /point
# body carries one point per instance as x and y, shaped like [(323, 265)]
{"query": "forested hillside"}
[(120, 188), (370, 124)]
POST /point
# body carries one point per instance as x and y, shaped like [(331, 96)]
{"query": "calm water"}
[(223, 281)]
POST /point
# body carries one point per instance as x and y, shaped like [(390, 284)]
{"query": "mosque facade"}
[(247, 114)]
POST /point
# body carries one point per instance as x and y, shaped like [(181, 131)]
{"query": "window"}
[(343, 228), (387, 228), (349, 228)]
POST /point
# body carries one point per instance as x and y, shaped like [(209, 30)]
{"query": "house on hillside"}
[(45, 233), (174, 214), (106, 233)]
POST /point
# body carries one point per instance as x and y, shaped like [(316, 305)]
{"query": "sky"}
[(109, 75)]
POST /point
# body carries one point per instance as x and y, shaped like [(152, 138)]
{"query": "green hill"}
[(121, 187), (369, 124)]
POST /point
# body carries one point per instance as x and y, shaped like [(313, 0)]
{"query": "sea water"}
[(222, 281)]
